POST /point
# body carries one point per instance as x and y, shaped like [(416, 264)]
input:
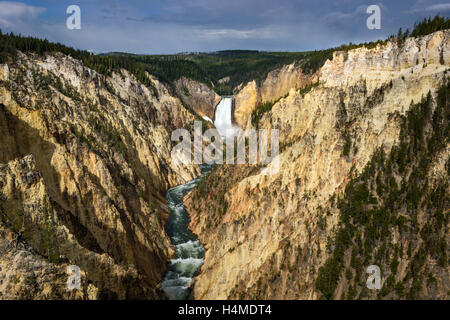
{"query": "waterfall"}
[(222, 120), (189, 252)]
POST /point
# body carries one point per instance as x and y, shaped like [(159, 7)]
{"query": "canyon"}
[(85, 168), (87, 179), (272, 236)]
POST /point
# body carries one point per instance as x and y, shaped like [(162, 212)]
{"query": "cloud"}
[(218, 34), (15, 13), (347, 16), (170, 26), (428, 6), (197, 25), (220, 14), (344, 20), (438, 7)]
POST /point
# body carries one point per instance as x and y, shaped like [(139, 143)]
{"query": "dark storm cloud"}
[(171, 26)]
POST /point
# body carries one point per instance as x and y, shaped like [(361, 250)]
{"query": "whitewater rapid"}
[(189, 252)]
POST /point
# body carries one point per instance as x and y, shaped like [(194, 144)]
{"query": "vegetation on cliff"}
[(103, 137), (240, 66), (393, 193), (165, 68), (427, 26), (263, 107), (245, 65)]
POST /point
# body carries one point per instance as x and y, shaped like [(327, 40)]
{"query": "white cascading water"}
[(189, 252), (222, 120)]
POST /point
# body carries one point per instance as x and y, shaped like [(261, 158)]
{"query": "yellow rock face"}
[(86, 162), (266, 235), (198, 96), (245, 102), (277, 84)]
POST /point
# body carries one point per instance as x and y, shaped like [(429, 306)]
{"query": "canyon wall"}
[(197, 96), (84, 167), (278, 83), (353, 151)]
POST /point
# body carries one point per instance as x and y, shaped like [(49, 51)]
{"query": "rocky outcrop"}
[(277, 84), (198, 96), (85, 167), (266, 236), (245, 102), (224, 80), (28, 221), (27, 275), (280, 81)]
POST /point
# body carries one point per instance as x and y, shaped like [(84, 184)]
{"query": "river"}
[(189, 252)]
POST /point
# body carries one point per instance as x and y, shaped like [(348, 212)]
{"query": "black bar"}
[(228, 309)]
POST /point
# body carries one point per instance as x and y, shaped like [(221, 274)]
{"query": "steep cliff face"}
[(278, 83), (244, 103), (267, 235), (85, 167), (198, 96)]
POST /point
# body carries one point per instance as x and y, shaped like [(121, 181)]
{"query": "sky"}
[(173, 26)]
